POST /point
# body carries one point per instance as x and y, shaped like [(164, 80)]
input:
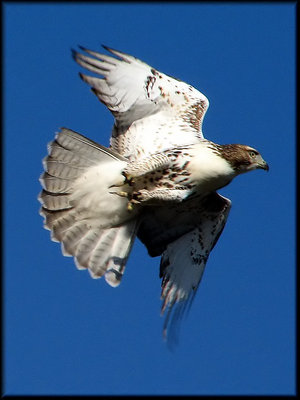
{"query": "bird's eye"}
[(252, 154)]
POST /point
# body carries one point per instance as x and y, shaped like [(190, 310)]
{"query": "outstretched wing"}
[(153, 111), (184, 236)]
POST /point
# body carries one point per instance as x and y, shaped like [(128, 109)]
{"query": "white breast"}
[(208, 171)]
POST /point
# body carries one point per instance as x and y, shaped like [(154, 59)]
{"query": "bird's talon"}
[(121, 193), (131, 204), (128, 178)]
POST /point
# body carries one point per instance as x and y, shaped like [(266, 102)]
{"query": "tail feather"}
[(97, 260), (105, 251), (120, 249), (72, 237), (61, 169), (63, 224), (85, 248), (55, 201), (92, 224), (68, 156), (84, 147), (52, 184)]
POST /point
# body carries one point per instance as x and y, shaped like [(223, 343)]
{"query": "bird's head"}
[(243, 158)]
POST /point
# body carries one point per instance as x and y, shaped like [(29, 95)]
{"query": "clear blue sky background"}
[(66, 333)]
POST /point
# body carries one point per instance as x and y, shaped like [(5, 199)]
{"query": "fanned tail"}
[(92, 223)]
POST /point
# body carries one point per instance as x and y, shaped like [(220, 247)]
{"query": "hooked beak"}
[(263, 165)]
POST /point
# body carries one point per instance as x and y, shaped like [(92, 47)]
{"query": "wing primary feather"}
[(126, 57), (133, 90), (183, 260)]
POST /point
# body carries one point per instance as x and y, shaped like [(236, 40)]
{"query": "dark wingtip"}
[(82, 47), (110, 49), (94, 90), (74, 54)]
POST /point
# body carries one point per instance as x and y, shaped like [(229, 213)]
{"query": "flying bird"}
[(158, 180)]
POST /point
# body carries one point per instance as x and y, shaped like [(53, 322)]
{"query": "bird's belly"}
[(211, 185)]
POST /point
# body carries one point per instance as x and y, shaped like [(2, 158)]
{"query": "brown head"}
[(242, 158)]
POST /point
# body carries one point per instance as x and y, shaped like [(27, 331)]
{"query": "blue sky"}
[(65, 333)]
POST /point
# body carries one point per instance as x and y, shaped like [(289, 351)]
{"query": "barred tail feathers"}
[(82, 209)]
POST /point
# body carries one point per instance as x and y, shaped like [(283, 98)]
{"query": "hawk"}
[(158, 180)]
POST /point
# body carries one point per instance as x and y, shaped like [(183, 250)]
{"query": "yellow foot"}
[(128, 178), (131, 203), (121, 193), (130, 206)]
